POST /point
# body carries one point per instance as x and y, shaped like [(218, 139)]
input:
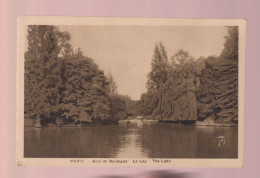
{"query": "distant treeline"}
[(184, 89), (63, 85)]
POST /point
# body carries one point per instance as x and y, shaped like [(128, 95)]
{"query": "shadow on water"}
[(85, 142), (177, 141), (132, 140)]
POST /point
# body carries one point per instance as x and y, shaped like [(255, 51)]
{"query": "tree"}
[(43, 69), (159, 71), (181, 57), (176, 98), (207, 91), (230, 50), (147, 103), (112, 85), (194, 89), (226, 73), (64, 84), (86, 89), (226, 97), (130, 105), (46, 42), (118, 109)]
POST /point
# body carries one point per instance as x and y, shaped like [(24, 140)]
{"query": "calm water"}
[(132, 140)]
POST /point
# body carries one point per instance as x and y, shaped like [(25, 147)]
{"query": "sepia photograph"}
[(130, 92)]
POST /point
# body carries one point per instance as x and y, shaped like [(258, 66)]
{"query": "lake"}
[(136, 139)]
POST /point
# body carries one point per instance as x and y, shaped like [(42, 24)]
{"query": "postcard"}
[(138, 92)]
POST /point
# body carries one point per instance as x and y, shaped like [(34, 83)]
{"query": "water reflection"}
[(86, 142), (132, 140), (132, 147), (209, 142), (177, 141), (165, 140)]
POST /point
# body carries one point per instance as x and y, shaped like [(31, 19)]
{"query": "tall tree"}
[(207, 90), (226, 73), (177, 101), (230, 50), (112, 85), (46, 42), (43, 69), (65, 84), (159, 71)]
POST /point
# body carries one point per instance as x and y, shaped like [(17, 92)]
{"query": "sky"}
[(126, 51)]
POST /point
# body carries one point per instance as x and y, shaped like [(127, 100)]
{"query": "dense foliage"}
[(64, 85), (43, 70), (85, 88), (186, 89), (158, 74), (130, 105), (61, 84)]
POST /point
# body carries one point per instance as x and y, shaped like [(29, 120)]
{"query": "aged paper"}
[(139, 92)]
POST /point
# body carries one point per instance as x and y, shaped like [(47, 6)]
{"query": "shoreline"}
[(32, 123), (197, 124)]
